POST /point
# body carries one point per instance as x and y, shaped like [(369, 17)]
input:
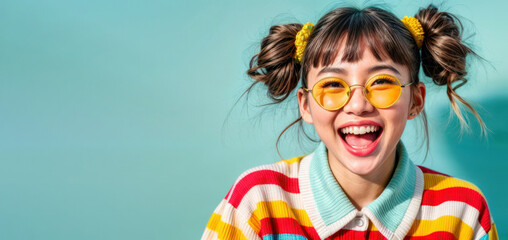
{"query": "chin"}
[(363, 167)]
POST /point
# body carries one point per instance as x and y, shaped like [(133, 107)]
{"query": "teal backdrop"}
[(117, 118)]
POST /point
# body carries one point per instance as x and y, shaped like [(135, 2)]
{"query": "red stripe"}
[(435, 235), (262, 177), (286, 226), (375, 235), (461, 194), (346, 234), (428, 170)]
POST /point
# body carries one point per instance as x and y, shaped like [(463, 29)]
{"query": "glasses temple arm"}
[(407, 84)]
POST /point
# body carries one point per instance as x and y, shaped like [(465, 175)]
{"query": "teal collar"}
[(329, 209)]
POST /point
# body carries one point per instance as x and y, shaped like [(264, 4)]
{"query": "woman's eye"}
[(382, 81), (332, 84)]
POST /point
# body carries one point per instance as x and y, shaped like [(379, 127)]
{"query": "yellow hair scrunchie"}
[(415, 27), (301, 40)]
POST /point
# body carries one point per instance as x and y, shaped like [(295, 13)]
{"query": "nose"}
[(357, 103)]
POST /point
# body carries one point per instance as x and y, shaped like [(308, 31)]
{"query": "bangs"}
[(351, 31)]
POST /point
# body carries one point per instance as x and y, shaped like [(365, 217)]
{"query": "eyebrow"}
[(371, 70)]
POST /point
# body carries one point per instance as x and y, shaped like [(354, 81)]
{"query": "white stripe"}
[(268, 192), (308, 198), (465, 212), (414, 206)]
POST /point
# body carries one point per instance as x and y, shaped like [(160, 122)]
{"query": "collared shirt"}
[(300, 198)]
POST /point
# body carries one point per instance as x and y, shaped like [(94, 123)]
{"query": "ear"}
[(303, 104), (418, 101)]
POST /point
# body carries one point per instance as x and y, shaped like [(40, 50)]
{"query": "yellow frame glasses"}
[(382, 91)]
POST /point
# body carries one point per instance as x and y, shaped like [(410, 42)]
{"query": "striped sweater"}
[(299, 198)]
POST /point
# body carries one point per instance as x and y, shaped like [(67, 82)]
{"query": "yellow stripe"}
[(371, 227), (439, 182), (225, 230), (493, 232), (450, 224), (255, 223), (278, 209), (292, 160)]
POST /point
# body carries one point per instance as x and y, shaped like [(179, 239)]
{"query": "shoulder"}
[(256, 193), (437, 181), (446, 198), (282, 175)]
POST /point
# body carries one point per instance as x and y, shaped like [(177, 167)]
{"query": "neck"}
[(363, 189)]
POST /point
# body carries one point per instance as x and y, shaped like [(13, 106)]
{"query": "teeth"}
[(359, 130)]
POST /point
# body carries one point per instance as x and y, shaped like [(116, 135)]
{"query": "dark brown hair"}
[(442, 56)]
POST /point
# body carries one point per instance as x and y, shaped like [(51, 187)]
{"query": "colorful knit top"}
[(299, 199)]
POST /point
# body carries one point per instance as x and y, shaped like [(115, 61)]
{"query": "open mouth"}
[(361, 137)]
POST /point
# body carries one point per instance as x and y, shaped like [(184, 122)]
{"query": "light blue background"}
[(114, 114)]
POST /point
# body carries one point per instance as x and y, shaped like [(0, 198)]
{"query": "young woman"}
[(359, 85)]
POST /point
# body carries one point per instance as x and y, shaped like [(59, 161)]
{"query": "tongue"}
[(360, 140)]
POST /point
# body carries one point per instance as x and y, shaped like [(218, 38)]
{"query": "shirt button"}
[(359, 222)]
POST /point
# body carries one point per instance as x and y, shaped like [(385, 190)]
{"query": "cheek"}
[(399, 116), (322, 118), (399, 113), (402, 105)]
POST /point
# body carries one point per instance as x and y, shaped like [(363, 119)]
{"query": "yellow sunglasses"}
[(382, 91)]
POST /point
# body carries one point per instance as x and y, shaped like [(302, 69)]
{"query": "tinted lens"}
[(383, 91), (331, 93)]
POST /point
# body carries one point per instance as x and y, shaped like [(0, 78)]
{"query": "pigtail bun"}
[(275, 65), (444, 56)]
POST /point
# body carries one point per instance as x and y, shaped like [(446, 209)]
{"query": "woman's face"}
[(361, 154)]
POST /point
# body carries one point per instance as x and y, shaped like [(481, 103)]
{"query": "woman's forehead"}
[(366, 62), (349, 49)]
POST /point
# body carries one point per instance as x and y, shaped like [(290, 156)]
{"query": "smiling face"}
[(370, 148)]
